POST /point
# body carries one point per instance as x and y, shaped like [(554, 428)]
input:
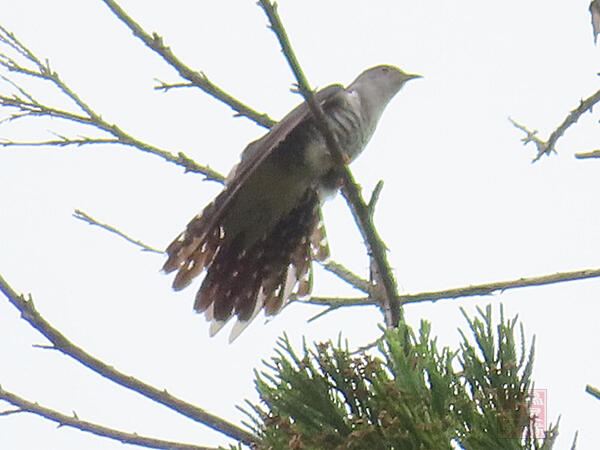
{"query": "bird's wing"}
[(199, 228), (256, 152)]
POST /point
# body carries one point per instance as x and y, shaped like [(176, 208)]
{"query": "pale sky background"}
[(462, 203)]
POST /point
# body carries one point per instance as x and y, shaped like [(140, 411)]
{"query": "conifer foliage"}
[(406, 394)]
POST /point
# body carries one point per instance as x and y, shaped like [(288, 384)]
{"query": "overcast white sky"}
[(462, 203)]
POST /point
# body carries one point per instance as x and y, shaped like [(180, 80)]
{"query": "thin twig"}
[(366, 348), (98, 430), (351, 191), (365, 286), (78, 214), (375, 197), (30, 314), (547, 147), (168, 86), (467, 291), (348, 276), (334, 267), (29, 106), (593, 391), (586, 155), (63, 142), (321, 314), (34, 108), (199, 79), (574, 443)]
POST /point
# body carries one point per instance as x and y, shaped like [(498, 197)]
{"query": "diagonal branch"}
[(199, 79), (593, 391), (351, 191), (35, 108), (60, 342), (98, 430), (27, 106), (336, 268), (547, 147), (78, 214), (348, 276)]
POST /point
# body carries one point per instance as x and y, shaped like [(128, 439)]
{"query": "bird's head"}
[(376, 87)]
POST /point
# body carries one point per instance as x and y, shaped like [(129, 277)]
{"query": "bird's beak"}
[(410, 76)]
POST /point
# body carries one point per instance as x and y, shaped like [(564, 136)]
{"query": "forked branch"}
[(547, 147), (25, 104), (466, 291), (198, 79)]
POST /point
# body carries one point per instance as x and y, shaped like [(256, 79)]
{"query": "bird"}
[(255, 242)]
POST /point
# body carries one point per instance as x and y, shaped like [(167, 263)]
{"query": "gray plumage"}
[(257, 239)]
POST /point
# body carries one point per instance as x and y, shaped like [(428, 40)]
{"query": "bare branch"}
[(375, 197), (11, 41), (28, 106), (593, 391), (78, 214), (322, 313), (99, 430), (348, 276), (332, 266), (16, 86), (338, 302), (585, 155), (62, 142), (372, 299), (199, 79), (34, 108), (168, 86), (547, 147), (531, 136), (30, 314), (467, 291), (367, 287), (351, 190)]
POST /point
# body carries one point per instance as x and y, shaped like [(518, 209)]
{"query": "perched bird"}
[(256, 240)]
